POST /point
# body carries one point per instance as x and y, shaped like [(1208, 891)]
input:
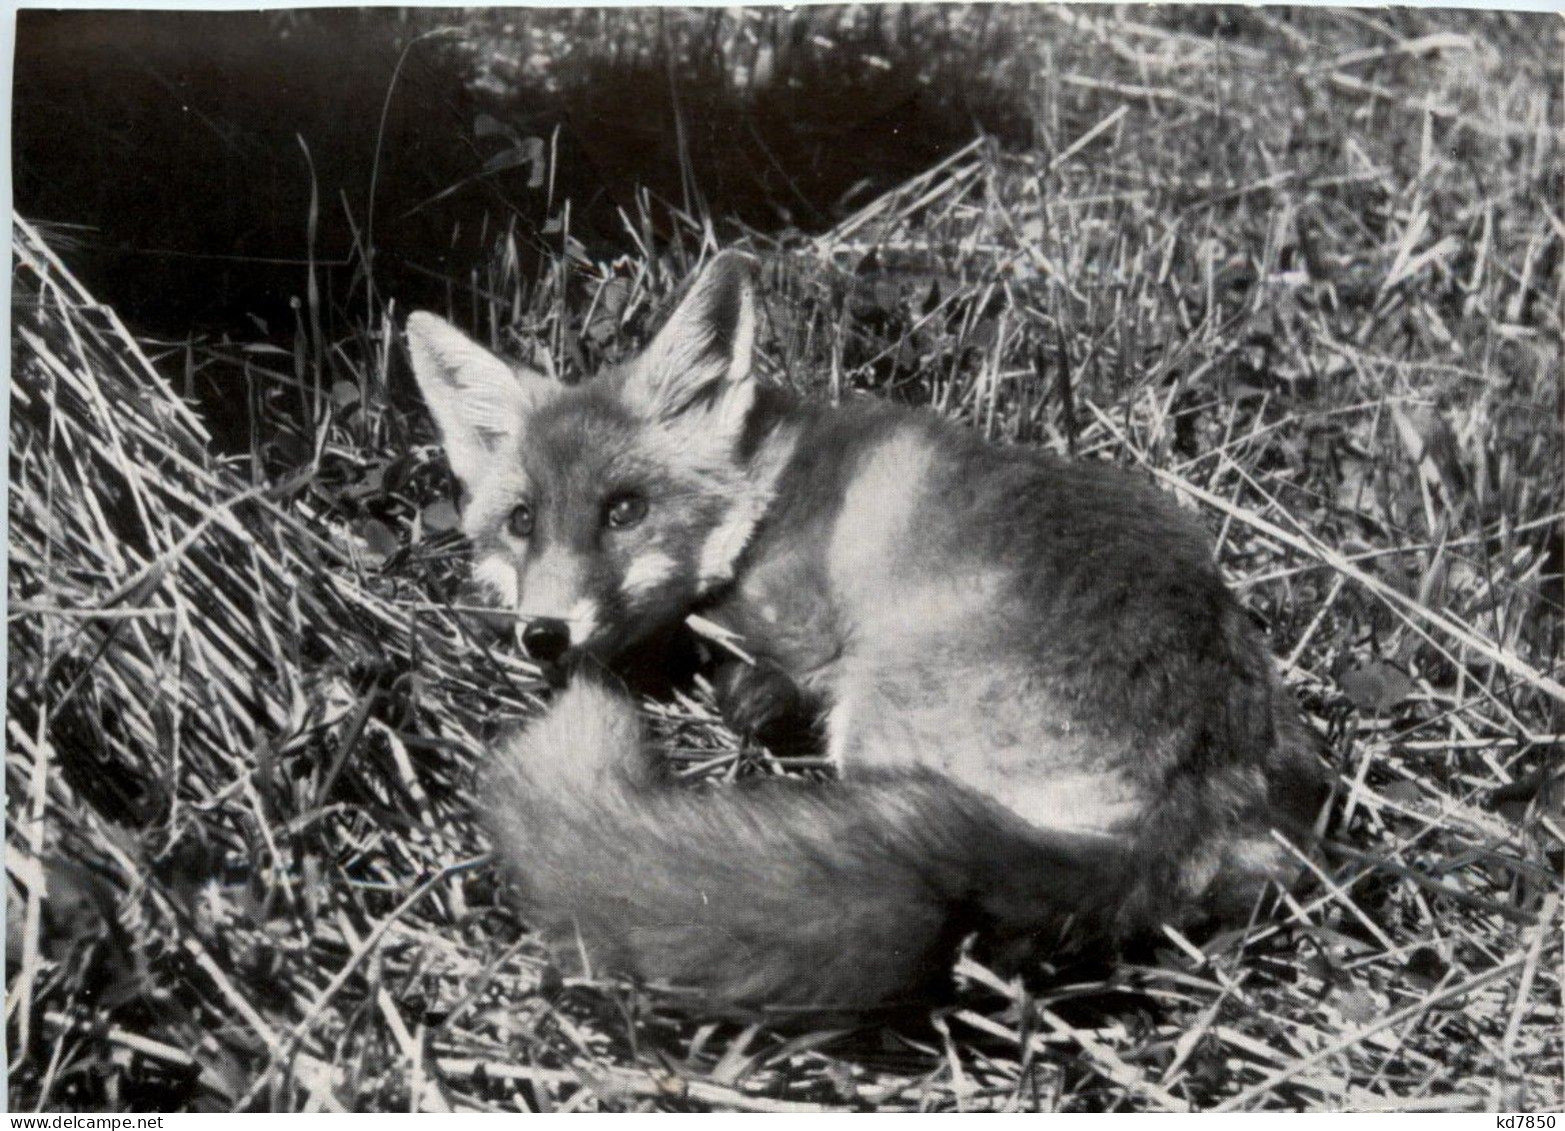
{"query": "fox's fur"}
[(1054, 724)]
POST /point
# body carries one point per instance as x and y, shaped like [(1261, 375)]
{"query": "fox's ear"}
[(478, 400), (704, 350)]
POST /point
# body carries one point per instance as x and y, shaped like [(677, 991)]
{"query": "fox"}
[(1054, 727)]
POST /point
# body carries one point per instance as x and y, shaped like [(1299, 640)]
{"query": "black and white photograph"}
[(888, 558)]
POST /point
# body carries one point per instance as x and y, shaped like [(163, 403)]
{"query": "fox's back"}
[(1053, 633)]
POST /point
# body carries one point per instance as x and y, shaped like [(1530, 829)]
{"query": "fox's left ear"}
[(701, 357)]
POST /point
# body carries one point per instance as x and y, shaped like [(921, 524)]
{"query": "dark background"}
[(201, 160)]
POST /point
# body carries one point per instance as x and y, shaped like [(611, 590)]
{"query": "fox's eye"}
[(627, 510), (521, 523)]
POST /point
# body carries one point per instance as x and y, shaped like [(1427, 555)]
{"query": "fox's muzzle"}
[(557, 615)]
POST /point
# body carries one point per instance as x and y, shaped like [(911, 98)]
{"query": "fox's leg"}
[(762, 702), (1299, 784), (1297, 789)]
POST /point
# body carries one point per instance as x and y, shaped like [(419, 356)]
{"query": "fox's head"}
[(601, 512)]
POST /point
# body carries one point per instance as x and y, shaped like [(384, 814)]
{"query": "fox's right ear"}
[(704, 351), (478, 400)]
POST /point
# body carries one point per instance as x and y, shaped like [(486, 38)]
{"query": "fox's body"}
[(1052, 720)]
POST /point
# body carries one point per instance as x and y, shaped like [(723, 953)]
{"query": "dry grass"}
[(1303, 269)]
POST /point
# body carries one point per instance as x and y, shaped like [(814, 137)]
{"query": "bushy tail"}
[(785, 894)]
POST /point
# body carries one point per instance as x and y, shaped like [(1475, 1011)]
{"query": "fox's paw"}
[(763, 703)]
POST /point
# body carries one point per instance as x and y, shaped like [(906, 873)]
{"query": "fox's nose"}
[(546, 639)]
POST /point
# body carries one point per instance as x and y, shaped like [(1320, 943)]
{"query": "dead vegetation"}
[(1303, 268)]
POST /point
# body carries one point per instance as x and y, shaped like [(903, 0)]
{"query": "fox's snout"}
[(546, 602)]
